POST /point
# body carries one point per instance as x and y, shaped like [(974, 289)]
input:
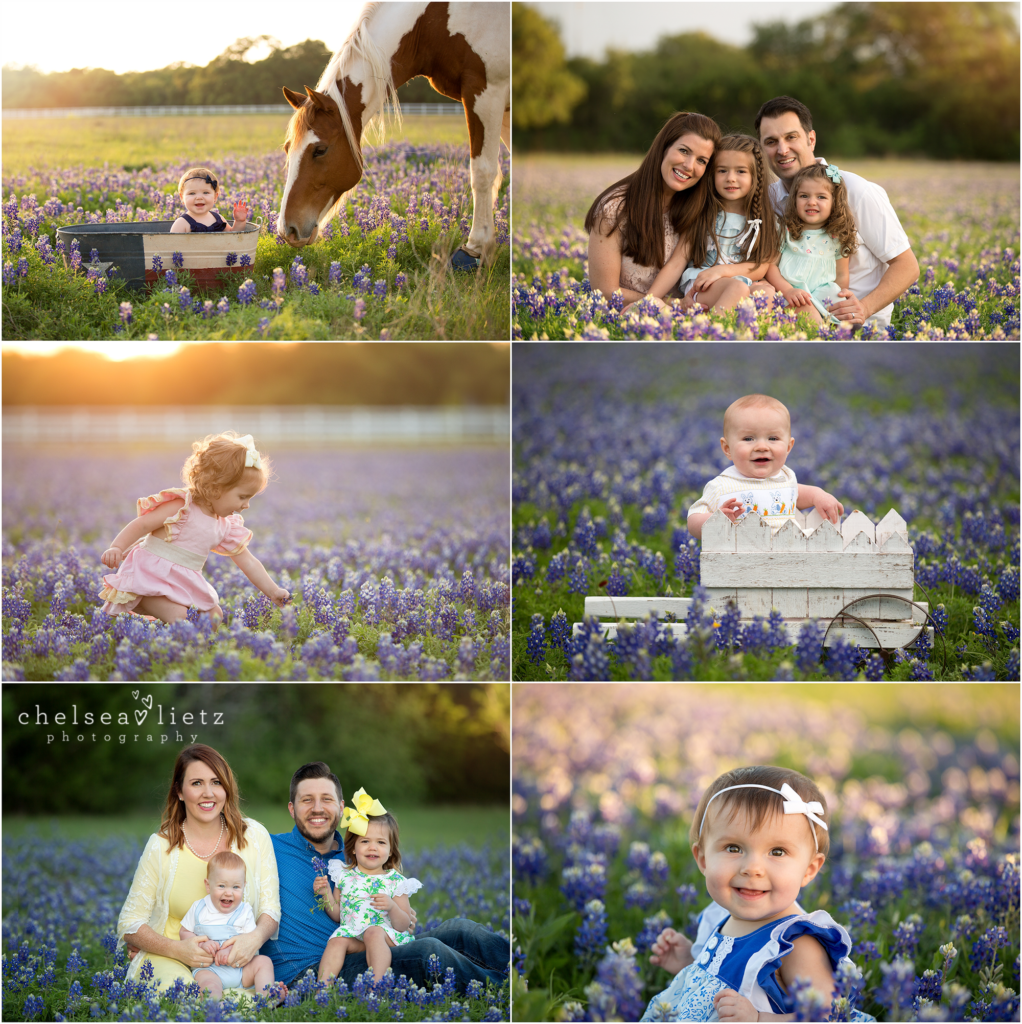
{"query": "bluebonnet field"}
[(353, 284), (923, 795), (613, 443), (397, 562), (962, 222), (61, 901)]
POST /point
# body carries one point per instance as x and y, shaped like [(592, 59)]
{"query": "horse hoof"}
[(463, 260)]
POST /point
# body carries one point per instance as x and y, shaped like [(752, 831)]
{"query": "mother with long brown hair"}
[(201, 817), (636, 224)]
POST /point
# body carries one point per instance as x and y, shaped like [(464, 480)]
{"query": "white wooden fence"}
[(298, 423), (806, 568), (19, 113)]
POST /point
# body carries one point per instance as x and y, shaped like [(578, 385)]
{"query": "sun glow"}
[(115, 351)]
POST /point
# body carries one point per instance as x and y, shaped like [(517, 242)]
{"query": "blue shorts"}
[(230, 977)]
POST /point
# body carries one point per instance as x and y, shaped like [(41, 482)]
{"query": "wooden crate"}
[(806, 569)]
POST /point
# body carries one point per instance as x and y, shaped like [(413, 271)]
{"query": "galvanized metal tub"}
[(132, 246)]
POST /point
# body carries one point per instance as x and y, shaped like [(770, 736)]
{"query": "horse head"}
[(324, 162)]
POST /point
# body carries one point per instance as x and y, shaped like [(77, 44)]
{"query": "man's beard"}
[(328, 830)]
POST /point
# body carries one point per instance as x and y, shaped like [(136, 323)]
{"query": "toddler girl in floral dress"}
[(757, 845), (160, 554), (370, 902)]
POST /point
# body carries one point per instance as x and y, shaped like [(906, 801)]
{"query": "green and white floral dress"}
[(356, 889)]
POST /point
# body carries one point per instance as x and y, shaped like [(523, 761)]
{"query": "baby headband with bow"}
[(793, 804), (252, 457), (833, 173), (357, 820), (204, 177)]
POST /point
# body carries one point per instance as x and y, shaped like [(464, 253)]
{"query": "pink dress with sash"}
[(168, 562)]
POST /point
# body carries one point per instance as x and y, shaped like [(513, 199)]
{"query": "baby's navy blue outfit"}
[(747, 965), (220, 225)]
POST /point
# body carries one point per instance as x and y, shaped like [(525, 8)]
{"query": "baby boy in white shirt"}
[(219, 916), (757, 439)]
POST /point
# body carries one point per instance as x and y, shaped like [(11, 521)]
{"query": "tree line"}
[(227, 79), (256, 373), (923, 79), (434, 743)]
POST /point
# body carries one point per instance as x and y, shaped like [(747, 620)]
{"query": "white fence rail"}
[(270, 424), (417, 109)]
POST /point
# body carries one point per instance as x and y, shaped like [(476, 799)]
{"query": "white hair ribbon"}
[(793, 804), (252, 457), (752, 227)]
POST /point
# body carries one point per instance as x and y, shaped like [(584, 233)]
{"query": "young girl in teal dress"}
[(819, 236), (744, 240), (758, 835)]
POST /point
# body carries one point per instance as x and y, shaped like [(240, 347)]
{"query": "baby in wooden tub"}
[(198, 190)]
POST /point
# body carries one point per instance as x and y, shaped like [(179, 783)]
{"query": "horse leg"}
[(484, 115)]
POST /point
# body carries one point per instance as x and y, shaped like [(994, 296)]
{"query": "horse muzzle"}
[(290, 233)]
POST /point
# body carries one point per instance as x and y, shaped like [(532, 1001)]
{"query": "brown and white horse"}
[(462, 48)]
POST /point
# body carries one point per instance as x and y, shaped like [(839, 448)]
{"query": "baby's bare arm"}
[(137, 529)]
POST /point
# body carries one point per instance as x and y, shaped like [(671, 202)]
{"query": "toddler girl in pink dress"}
[(159, 556)]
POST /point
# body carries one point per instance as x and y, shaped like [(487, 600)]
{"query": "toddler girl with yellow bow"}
[(160, 554), (370, 901)]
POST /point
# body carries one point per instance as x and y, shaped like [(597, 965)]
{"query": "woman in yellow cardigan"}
[(201, 817)]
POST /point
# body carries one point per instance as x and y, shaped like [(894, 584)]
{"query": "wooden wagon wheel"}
[(885, 651)]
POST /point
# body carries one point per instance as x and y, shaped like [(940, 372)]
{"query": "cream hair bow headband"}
[(793, 804), (252, 457)]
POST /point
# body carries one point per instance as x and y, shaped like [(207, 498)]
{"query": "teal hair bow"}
[(833, 173)]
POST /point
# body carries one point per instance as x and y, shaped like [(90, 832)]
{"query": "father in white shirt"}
[(884, 265)]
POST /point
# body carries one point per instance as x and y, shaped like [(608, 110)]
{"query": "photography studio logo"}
[(143, 720)]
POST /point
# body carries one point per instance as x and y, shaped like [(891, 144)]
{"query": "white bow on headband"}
[(793, 804), (252, 457)]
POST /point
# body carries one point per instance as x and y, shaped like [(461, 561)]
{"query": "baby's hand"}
[(112, 557), (240, 212), (732, 508), (382, 903), (830, 508), (731, 1006), (280, 598), (672, 951), (321, 886), (210, 946)]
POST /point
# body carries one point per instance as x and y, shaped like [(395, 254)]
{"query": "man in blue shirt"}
[(316, 804)]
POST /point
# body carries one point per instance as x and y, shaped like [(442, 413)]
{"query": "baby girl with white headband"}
[(160, 554), (757, 845)]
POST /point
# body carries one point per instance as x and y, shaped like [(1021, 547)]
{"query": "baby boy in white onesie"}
[(757, 439)]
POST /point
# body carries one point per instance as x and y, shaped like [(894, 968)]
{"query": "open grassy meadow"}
[(962, 220), (380, 270)]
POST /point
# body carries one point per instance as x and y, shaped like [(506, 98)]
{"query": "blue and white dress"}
[(747, 965), (729, 227)]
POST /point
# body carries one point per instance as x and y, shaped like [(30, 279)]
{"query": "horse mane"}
[(359, 46)]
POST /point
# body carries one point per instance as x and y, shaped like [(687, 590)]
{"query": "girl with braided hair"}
[(743, 242)]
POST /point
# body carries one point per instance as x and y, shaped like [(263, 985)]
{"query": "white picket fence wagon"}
[(857, 579)]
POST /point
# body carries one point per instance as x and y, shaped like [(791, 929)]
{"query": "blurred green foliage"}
[(935, 79), (407, 743), (544, 90), (352, 373), (228, 78)]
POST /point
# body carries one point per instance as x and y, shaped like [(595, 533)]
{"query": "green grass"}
[(136, 142), (422, 828)]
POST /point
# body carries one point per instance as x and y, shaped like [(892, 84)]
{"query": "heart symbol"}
[(140, 716), (148, 702), (134, 694)]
